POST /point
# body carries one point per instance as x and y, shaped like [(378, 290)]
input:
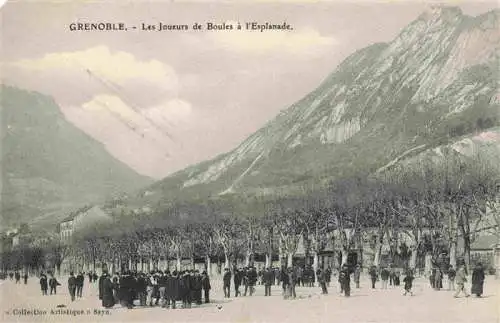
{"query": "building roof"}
[(75, 213), (484, 243)]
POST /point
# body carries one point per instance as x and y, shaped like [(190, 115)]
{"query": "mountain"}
[(434, 84), (49, 166)]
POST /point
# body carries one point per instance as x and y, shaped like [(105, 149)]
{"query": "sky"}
[(160, 101)]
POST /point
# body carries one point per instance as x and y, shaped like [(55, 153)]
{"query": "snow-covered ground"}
[(364, 305)]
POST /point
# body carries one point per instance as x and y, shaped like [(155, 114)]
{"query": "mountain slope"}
[(436, 81), (50, 166)]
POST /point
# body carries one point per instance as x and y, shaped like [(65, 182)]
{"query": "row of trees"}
[(416, 213)]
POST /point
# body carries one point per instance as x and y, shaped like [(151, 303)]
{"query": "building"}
[(80, 219)]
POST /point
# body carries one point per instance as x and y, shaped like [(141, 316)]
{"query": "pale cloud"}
[(116, 67), (306, 41)]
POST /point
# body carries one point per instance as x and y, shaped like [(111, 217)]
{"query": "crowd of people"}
[(155, 288), (188, 287)]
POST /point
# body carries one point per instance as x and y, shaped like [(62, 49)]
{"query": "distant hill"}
[(49, 166), (435, 84)]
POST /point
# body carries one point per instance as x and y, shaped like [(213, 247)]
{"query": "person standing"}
[(237, 282), (53, 283), (438, 279), (451, 278), (25, 278), (328, 276), (268, 278), (141, 288), (252, 280), (285, 280), (322, 281), (460, 280), (90, 277), (205, 282), (292, 277), (43, 284), (345, 280), (245, 280), (357, 275), (162, 288), (151, 282), (79, 284), (107, 290), (373, 275), (384, 276), (408, 280), (227, 283), (72, 286), (477, 280), (173, 289), (18, 277)]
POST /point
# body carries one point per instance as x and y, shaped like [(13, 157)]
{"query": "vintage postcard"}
[(250, 161)]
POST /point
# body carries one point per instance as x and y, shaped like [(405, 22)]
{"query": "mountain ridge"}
[(49, 165), (436, 81)]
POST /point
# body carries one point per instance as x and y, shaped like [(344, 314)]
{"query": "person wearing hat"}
[(226, 282), (477, 280), (357, 274), (205, 282), (106, 291), (345, 280), (72, 286)]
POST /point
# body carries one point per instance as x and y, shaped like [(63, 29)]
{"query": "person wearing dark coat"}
[(237, 282), (94, 277), (322, 281), (285, 281), (205, 283), (408, 280), (25, 277), (141, 288), (126, 290), (172, 289), (43, 284), (18, 277), (432, 278), (79, 284), (357, 274), (53, 283), (106, 291), (90, 276), (328, 276), (252, 280), (477, 280), (438, 279), (373, 275), (345, 280), (185, 289), (227, 282), (267, 278), (72, 286), (197, 286)]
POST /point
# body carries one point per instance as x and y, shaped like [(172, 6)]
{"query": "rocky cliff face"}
[(433, 84)]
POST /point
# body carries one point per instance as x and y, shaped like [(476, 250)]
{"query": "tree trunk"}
[(315, 265), (428, 263), (467, 252), (289, 263), (247, 259), (345, 253), (453, 254), (268, 261), (413, 258), (178, 262), (192, 261), (208, 263), (226, 261)]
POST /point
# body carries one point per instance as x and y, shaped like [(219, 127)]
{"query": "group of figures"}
[(155, 288), (289, 278), (17, 276), (458, 278)]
